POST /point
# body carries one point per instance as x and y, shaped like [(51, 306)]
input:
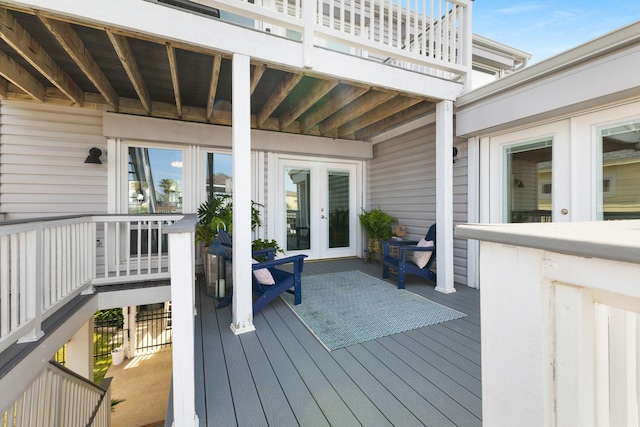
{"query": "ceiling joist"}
[(13, 72), (24, 44), (123, 49), (173, 69), (213, 85), (73, 45)]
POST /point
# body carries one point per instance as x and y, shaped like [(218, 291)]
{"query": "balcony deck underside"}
[(281, 375)]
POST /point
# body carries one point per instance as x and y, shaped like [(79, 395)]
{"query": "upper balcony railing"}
[(428, 36), (45, 263)]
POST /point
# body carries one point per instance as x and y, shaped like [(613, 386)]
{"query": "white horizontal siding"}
[(402, 182), (42, 169)]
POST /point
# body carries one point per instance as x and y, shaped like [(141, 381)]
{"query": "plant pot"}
[(117, 356)]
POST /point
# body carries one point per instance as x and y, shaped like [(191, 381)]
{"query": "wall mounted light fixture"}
[(94, 156)]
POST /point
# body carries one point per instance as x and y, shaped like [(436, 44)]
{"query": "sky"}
[(547, 28)]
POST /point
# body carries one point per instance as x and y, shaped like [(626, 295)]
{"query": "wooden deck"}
[(281, 375)]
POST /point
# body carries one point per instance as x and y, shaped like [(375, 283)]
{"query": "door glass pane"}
[(528, 182), (219, 174), (155, 180), (297, 187), (618, 177), (338, 209)]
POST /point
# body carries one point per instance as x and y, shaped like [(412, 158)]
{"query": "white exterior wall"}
[(402, 181), (42, 153)]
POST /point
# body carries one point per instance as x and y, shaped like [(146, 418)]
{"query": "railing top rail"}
[(186, 224), (610, 240)]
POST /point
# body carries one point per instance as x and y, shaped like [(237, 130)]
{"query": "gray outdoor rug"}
[(347, 308)]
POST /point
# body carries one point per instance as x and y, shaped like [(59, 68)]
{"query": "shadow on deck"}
[(281, 375)]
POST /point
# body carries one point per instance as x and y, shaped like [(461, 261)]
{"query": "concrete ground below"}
[(142, 383)]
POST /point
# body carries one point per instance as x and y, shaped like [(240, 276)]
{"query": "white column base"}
[(445, 290), (237, 329)]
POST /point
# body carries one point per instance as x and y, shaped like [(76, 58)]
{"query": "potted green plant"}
[(216, 214), (377, 224)]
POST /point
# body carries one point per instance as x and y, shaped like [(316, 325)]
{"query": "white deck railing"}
[(45, 263), (429, 36), (560, 308), (59, 398)]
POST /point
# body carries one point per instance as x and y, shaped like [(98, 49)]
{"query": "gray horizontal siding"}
[(402, 181), (42, 169)]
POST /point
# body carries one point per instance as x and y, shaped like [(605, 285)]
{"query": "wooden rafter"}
[(13, 72), (213, 85), (73, 45), (4, 87), (376, 114), (331, 105), (256, 74), (23, 43), (355, 109), (284, 88), (395, 120), (320, 89), (123, 49), (173, 69)]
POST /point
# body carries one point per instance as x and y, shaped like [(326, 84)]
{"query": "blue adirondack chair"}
[(285, 281), (403, 264)]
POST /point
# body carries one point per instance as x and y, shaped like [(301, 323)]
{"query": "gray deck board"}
[(281, 375), (359, 403), (299, 397), (219, 408)]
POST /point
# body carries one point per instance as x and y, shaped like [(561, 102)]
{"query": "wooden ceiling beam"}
[(380, 112), (23, 43), (332, 104), (358, 107), (13, 72), (317, 92), (284, 88), (4, 87), (395, 120), (173, 70), (256, 74), (125, 54), (74, 46), (213, 84)]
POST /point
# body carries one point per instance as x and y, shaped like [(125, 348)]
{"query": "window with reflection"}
[(528, 181), (218, 175), (618, 171), (155, 186)]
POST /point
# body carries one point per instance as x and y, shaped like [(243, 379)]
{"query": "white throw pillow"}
[(422, 258), (263, 275)]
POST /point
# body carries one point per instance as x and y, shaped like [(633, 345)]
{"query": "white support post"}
[(242, 318), (130, 328), (444, 196), (473, 210), (182, 267), (79, 354)]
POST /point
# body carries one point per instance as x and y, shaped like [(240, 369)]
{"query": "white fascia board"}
[(139, 128), (137, 296), (208, 33), (554, 95), (485, 56), (375, 74)]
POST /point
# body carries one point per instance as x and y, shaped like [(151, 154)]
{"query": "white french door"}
[(317, 208), (530, 176)]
